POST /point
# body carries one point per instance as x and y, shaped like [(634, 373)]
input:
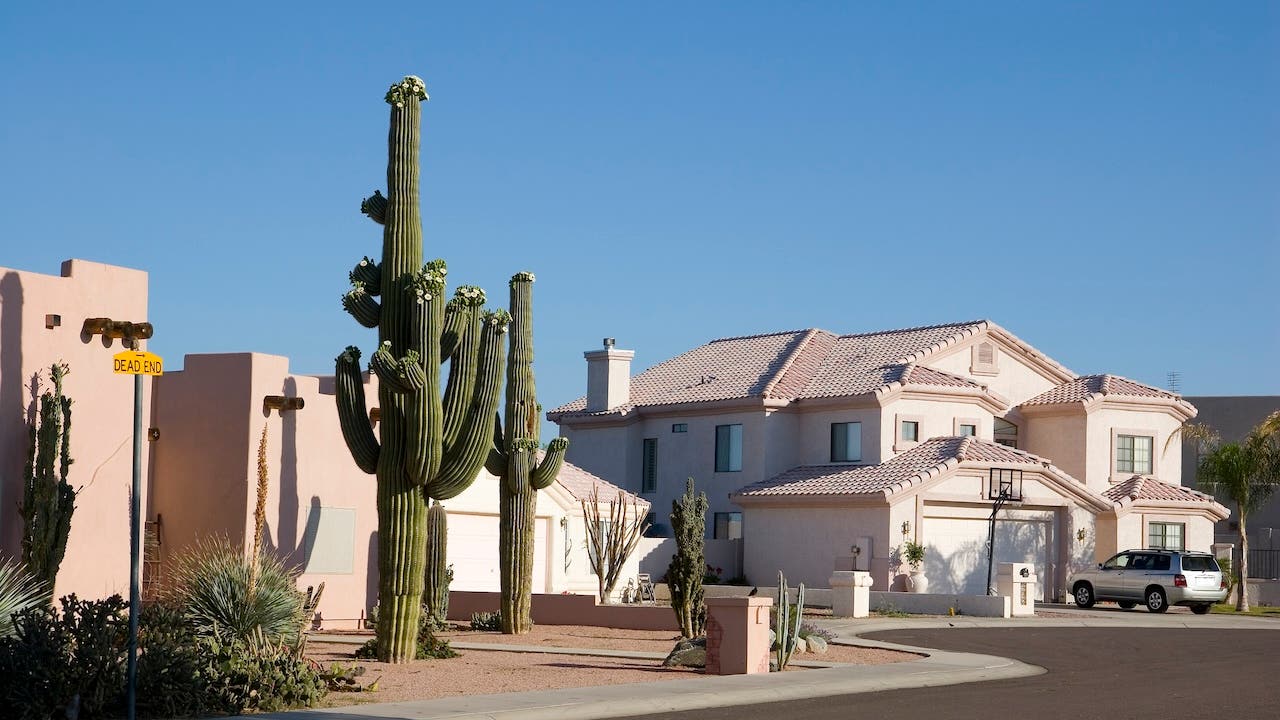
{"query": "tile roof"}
[(793, 365), (920, 463), (1141, 488), (1087, 387), (579, 482)]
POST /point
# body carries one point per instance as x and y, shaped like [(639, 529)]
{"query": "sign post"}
[(136, 363)]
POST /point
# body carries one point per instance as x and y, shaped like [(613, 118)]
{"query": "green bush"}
[(486, 621), (430, 647), (171, 682), (58, 661), (211, 583), (258, 673)]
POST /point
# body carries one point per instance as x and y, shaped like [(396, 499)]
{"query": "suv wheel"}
[(1127, 604), (1201, 609), (1084, 595), (1157, 602)]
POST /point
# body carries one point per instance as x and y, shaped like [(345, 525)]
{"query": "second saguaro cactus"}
[(428, 444), (514, 460)]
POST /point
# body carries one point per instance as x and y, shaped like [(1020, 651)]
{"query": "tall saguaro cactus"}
[(47, 498), (428, 444), (514, 459)]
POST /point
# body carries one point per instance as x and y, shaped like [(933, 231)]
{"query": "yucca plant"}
[(214, 584), (19, 590)]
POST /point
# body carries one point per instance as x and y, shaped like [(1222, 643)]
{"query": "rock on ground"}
[(688, 653)]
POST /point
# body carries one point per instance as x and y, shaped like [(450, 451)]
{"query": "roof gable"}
[(1088, 390)]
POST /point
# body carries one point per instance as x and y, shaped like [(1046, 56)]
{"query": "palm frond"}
[(19, 590)]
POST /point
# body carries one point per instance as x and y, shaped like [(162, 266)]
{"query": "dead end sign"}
[(137, 362)]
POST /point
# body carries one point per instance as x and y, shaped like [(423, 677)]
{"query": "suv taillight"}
[(1223, 586), (1179, 580)]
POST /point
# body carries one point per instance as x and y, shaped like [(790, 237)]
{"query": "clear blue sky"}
[(1101, 179)]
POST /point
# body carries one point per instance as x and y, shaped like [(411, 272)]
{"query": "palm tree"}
[(1246, 473)]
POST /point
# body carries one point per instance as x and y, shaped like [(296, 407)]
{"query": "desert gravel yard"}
[(479, 672)]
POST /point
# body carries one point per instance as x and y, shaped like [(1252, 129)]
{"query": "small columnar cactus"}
[(48, 500), (689, 564), (786, 630), (436, 588), (429, 444), (514, 460)]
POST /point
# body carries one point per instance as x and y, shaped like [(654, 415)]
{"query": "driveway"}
[(1171, 671)]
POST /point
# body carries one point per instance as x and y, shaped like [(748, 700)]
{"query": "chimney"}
[(608, 377)]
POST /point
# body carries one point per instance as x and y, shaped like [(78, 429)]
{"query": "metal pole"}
[(135, 566), (991, 537)]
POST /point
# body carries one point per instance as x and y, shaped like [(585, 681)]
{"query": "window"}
[(968, 430), (649, 466), (1166, 536), (910, 431), (728, 526), (728, 448), (1119, 562), (846, 442), (680, 427), (603, 529), (1133, 454), (1006, 433)]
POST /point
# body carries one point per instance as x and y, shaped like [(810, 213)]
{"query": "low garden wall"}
[(940, 604), (569, 610)]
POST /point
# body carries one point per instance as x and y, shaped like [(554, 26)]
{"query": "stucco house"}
[(810, 443)]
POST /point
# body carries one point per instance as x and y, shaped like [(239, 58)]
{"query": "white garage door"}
[(473, 552), (956, 552)]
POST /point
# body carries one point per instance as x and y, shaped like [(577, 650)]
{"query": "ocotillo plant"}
[(427, 445), (514, 459), (689, 564), (47, 498)]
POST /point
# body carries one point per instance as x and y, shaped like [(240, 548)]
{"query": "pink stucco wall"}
[(211, 417), (97, 558)]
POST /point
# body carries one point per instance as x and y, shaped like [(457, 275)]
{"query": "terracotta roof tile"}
[(579, 482), (917, 464), (1141, 488), (1087, 387), (791, 365)]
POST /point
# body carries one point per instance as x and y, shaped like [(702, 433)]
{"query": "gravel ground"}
[(479, 672)]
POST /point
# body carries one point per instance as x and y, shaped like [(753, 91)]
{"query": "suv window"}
[(1119, 562), (1141, 562), (1199, 563), (1159, 563)]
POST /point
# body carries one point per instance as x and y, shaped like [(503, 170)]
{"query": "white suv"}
[(1156, 578)]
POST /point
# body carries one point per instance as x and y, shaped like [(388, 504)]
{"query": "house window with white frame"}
[(1133, 454), (1166, 536), (846, 442), (727, 526), (909, 431), (968, 430), (728, 448)]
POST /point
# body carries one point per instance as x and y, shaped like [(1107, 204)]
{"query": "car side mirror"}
[(1099, 566)]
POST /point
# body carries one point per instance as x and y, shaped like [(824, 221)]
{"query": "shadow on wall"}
[(371, 573), (290, 547), (13, 438), (964, 571)]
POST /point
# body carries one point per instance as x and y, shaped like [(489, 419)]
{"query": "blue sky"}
[(1101, 179)]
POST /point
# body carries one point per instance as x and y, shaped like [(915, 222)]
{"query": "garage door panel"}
[(473, 552), (956, 559)]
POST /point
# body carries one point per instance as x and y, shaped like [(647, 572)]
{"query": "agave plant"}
[(222, 594), (19, 590)]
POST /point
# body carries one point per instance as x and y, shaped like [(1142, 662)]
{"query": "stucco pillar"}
[(738, 635), (850, 593), (1017, 581)]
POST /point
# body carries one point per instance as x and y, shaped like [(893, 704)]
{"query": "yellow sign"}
[(137, 362)]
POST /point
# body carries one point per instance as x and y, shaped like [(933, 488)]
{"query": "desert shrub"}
[(211, 583), (430, 647), (68, 661), (258, 673), (19, 590), (808, 629), (171, 681), (488, 621)]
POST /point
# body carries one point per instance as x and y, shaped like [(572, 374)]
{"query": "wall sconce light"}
[(129, 332), (282, 403), (1081, 534), (374, 415), (906, 527), (153, 434), (564, 521), (52, 321)]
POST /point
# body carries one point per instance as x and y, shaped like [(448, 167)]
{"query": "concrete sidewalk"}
[(611, 701)]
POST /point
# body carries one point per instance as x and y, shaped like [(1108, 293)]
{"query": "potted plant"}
[(913, 553)]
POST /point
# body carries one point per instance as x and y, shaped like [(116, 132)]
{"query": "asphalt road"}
[(1112, 673)]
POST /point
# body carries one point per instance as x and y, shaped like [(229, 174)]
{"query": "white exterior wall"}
[(608, 451), (1132, 530), (1105, 422), (815, 434), (481, 501), (1060, 438), (937, 419), (1015, 380), (804, 542)]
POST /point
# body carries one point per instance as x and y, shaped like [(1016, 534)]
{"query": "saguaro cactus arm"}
[(547, 470), (400, 375), (361, 305), (352, 415), (496, 463), (375, 206), (468, 452)]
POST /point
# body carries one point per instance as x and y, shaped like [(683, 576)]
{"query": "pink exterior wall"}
[(570, 610), (97, 558), (211, 417)]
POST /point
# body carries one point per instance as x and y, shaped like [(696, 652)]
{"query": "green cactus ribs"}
[(514, 459), (428, 443), (48, 500)]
